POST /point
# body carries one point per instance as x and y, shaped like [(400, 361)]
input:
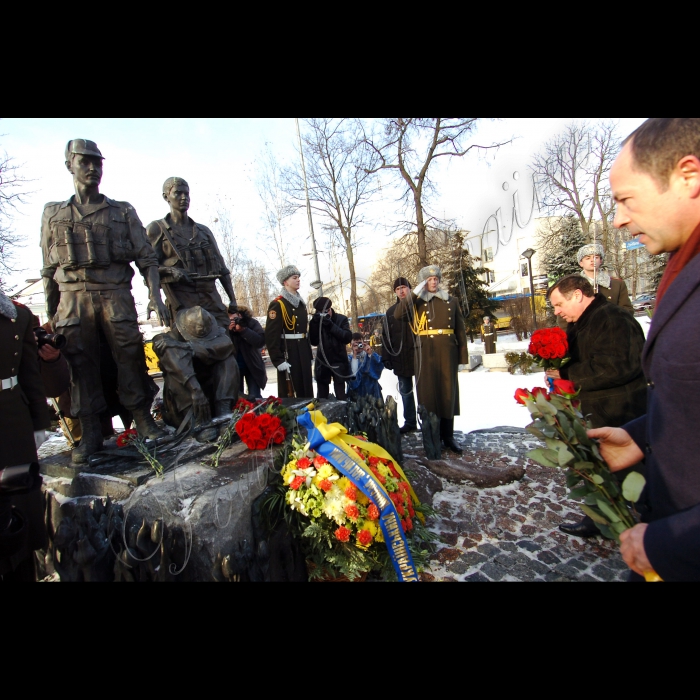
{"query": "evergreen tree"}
[(655, 268), (561, 259)]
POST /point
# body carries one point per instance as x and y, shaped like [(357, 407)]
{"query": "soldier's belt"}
[(293, 336), (91, 286), (9, 383), (438, 331)]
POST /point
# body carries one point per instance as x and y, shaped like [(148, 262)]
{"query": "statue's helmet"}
[(83, 147), (197, 323)]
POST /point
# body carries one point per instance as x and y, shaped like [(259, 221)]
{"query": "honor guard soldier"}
[(88, 243), (189, 259), (441, 348), (488, 336), (590, 257), (286, 337)]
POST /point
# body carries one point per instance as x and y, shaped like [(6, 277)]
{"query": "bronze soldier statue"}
[(189, 259), (87, 243), (199, 368), (287, 338)]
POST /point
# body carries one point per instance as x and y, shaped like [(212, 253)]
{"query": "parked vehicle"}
[(643, 302)]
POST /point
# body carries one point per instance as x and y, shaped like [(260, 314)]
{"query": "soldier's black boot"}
[(447, 435), (145, 425), (91, 440), (222, 408)]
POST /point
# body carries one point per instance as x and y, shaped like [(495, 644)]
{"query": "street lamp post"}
[(528, 254)]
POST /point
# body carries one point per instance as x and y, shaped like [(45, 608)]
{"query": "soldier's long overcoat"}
[(437, 355), (298, 351)]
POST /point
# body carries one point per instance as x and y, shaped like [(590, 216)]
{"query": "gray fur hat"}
[(590, 249), (286, 272), (430, 271)]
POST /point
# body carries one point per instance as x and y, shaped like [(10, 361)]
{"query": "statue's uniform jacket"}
[(438, 356), (86, 262), (298, 350), (198, 255)]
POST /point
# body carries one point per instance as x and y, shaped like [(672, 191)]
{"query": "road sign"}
[(634, 244)]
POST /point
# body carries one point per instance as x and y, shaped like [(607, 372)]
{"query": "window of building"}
[(523, 269), (488, 254)]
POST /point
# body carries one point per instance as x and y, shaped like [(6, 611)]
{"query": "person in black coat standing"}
[(398, 352), (24, 418), (248, 338), (331, 333)]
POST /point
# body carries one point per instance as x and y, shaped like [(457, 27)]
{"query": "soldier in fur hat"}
[(287, 338)]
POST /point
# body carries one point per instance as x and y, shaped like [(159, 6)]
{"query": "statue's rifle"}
[(64, 423)]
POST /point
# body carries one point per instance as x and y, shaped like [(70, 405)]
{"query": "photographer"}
[(248, 337), (24, 417), (331, 333), (366, 367)]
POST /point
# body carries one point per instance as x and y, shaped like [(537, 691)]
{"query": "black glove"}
[(387, 363)]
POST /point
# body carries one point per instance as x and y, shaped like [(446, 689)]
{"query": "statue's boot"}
[(91, 440), (222, 408), (145, 425)]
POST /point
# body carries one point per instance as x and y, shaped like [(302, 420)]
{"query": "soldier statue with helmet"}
[(88, 243), (189, 259)]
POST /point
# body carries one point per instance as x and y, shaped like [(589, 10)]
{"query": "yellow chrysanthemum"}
[(379, 536), (361, 498), (343, 482), (369, 525), (383, 470)]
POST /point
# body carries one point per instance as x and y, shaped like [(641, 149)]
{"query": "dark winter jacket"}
[(331, 336), (668, 433), (248, 343), (397, 344), (605, 347)]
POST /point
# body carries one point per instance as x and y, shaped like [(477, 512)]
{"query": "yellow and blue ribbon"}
[(329, 440)]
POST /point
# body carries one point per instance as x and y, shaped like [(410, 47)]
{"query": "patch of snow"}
[(185, 506)]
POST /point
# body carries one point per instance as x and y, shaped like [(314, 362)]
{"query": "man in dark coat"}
[(330, 333), (286, 337), (656, 184), (248, 338), (605, 351), (24, 418), (440, 349), (488, 336), (397, 354)]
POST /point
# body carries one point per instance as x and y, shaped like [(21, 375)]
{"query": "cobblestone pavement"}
[(510, 533)]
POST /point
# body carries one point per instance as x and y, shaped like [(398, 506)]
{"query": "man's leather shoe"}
[(408, 429), (585, 528), (450, 444)]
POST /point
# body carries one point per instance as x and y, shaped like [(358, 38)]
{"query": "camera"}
[(55, 340), (360, 346)]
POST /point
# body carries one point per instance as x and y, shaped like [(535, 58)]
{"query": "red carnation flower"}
[(373, 461), (392, 469), (352, 512), (404, 525), (297, 482), (303, 463), (126, 437), (279, 435), (408, 525), (364, 538), (564, 387), (373, 512), (400, 509), (521, 395), (319, 460), (342, 534), (325, 485), (411, 511), (403, 486), (351, 492)]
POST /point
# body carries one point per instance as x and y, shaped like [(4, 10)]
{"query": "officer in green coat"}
[(488, 336), (88, 243)]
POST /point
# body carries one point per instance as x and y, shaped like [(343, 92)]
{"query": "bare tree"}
[(572, 174), (340, 174), (409, 146), (268, 183), (12, 193)]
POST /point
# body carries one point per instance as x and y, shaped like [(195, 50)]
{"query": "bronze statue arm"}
[(228, 287), (53, 296), (150, 274)]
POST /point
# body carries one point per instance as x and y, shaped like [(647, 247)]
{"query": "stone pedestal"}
[(496, 362)]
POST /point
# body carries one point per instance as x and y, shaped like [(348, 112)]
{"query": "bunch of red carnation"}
[(123, 439), (260, 431), (549, 347)]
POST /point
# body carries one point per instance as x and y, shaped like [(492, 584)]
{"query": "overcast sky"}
[(218, 159)]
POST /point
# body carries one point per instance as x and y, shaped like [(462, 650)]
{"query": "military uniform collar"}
[(106, 203), (169, 221)]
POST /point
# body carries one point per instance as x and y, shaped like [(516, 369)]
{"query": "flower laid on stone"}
[(338, 522), (131, 437), (559, 423)]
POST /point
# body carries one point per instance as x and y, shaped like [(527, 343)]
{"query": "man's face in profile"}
[(179, 198)]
